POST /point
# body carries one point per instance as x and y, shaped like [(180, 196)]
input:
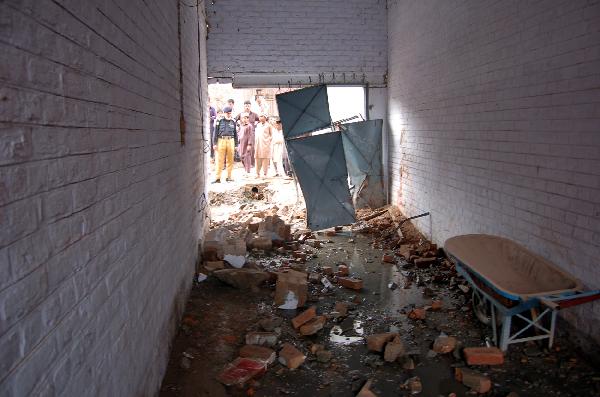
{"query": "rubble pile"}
[(323, 303)]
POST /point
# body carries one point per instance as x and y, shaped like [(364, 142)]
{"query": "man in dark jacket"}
[(226, 141)]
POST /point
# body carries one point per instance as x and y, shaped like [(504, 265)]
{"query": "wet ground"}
[(218, 316)]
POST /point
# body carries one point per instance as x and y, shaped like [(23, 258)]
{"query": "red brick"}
[(258, 352), (290, 356), (388, 258), (417, 314), (474, 380), (313, 326), (393, 349), (343, 271), (304, 317), (424, 262), (436, 305), (484, 356), (376, 342), (350, 282), (341, 307)]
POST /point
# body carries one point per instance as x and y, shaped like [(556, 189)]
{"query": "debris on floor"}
[(369, 309)]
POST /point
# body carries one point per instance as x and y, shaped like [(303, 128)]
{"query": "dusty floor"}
[(218, 317)]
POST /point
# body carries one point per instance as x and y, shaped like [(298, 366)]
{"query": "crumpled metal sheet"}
[(302, 111), (362, 147), (320, 166)]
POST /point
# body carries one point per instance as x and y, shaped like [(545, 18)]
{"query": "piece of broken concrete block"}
[(212, 248), (262, 338), (376, 342), (290, 356), (304, 317), (234, 252), (291, 289), (242, 278), (473, 380)]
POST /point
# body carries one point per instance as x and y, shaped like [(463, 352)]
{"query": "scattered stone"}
[(423, 263), (417, 314), (324, 356), (258, 352), (472, 379), (408, 363), (242, 278), (414, 385), (436, 305), (214, 265), (343, 271), (186, 363), (350, 282), (393, 349), (304, 317), (291, 289), (376, 342), (341, 308), (313, 326), (262, 338), (290, 356), (483, 356), (316, 347), (444, 344), (365, 391), (270, 324)]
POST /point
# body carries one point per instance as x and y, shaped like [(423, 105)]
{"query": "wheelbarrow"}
[(509, 281)]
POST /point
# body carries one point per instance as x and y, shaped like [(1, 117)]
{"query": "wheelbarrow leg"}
[(505, 335), (494, 326), (552, 326)]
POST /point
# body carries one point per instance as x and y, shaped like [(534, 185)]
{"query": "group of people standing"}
[(257, 139)]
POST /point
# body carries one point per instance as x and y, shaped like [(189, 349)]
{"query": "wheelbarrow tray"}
[(510, 269)]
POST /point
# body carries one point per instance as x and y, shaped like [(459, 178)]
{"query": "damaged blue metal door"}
[(362, 147), (320, 166), (304, 111)]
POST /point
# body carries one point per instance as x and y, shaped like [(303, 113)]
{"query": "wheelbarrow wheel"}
[(482, 308)]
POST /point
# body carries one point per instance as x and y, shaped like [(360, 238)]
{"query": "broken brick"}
[(324, 356), (214, 265), (341, 308), (393, 349), (444, 344), (291, 289), (483, 356), (258, 352), (388, 258), (315, 347), (304, 317), (350, 282), (242, 278), (299, 255), (330, 233), (328, 270), (290, 356), (343, 271), (422, 263), (261, 243), (313, 326), (376, 342), (261, 338), (472, 379), (365, 391), (314, 278), (241, 370), (417, 314), (436, 305)]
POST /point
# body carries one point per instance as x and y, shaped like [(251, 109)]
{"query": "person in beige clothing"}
[(263, 133)]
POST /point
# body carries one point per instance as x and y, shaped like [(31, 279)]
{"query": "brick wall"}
[(98, 198), (495, 113), (309, 36)]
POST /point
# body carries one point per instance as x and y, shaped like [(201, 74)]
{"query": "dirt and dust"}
[(418, 300)]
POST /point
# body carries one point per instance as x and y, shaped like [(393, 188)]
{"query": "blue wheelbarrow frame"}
[(505, 306)]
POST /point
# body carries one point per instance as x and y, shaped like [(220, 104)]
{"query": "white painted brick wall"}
[(495, 125), (289, 36), (99, 220)]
